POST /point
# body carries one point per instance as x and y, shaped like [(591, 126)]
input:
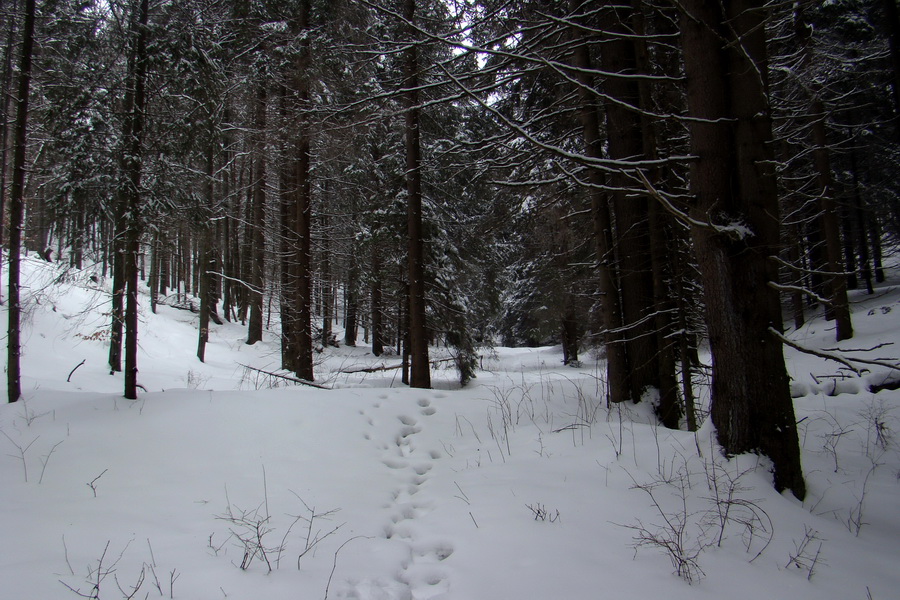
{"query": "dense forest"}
[(631, 179)]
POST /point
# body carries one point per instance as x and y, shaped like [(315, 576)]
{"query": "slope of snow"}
[(521, 485)]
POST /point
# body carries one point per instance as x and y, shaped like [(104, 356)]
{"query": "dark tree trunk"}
[(118, 296), (861, 226), (258, 222), (420, 371), (288, 242), (668, 409), (376, 301), (16, 207), (571, 337), (733, 180), (133, 176), (632, 239), (303, 216), (837, 282), (327, 294), (303, 304), (4, 120), (892, 25), (610, 308), (154, 271), (205, 259), (351, 323)]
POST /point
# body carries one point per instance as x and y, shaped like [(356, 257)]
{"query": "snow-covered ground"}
[(523, 485)]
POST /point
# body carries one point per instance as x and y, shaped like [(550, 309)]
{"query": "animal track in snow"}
[(392, 463), (436, 552), (422, 468), (408, 430), (421, 573)]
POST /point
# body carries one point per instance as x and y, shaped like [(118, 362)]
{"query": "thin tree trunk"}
[(668, 409), (154, 271), (325, 283), (4, 119), (302, 164), (892, 25), (837, 283), (288, 243), (16, 206), (377, 328), (351, 299), (206, 265), (632, 232), (420, 369), (257, 226), (133, 176), (610, 311)]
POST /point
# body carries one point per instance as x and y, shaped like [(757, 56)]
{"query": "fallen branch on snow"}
[(285, 377)]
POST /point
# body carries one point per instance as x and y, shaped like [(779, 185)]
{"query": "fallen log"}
[(384, 367), (285, 377)]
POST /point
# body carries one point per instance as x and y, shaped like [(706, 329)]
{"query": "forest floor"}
[(221, 482)]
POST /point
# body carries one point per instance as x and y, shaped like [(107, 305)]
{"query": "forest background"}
[(640, 178)]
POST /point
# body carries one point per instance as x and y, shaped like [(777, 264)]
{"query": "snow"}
[(521, 485)]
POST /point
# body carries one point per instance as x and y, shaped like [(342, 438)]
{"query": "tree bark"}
[(154, 270), (376, 303), (632, 232), (892, 25), (617, 371), (205, 258), (420, 369), (133, 176), (351, 299), (16, 207), (301, 161), (733, 180), (668, 410), (837, 281), (258, 215), (4, 120)]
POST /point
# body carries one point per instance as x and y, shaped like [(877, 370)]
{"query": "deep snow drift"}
[(523, 485)]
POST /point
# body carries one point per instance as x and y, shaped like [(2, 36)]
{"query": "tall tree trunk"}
[(258, 223), (133, 177), (668, 409), (16, 205), (205, 258), (610, 308), (288, 245), (6, 90), (862, 227), (632, 238), (302, 165), (837, 281), (733, 180), (376, 301), (420, 371), (154, 270), (351, 323), (325, 283), (892, 25)]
